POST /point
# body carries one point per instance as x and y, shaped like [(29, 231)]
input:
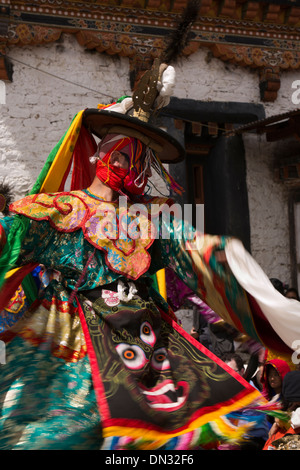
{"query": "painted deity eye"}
[(147, 334), (160, 360), (132, 355)]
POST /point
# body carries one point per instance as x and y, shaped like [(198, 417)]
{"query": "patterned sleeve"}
[(5, 224), (234, 287), (194, 257)]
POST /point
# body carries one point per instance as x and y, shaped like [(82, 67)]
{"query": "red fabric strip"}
[(83, 170), (265, 331), (11, 285), (206, 351), (96, 376)]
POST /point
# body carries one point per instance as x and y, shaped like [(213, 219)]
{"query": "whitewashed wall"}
[(268, 207), (39, 109)]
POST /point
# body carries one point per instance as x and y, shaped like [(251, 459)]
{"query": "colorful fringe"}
[(207, 436)]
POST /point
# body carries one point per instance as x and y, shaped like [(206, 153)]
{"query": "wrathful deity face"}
[(147, 371)]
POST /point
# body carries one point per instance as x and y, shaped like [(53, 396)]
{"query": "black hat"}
[(135, 120), (291, 386)]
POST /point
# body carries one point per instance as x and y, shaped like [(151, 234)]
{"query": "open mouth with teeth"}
[(165, 396)]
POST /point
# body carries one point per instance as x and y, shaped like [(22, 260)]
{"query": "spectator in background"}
[(285, 435), (217, 336), (257, 436), (278, 285), (234, 361), (292, 293), (272, 377)]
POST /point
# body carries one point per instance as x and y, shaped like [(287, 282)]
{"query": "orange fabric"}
[(277, 435)]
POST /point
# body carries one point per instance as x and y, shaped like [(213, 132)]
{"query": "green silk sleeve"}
[(195, 258)]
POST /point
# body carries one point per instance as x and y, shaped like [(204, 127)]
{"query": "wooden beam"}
[(6, 69)]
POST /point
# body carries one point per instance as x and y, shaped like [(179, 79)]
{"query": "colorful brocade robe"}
[(98, 360)]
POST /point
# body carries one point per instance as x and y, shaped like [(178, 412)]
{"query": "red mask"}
[(120, 178), (131, 187), (111, 175)]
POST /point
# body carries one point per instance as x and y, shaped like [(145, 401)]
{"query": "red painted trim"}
[(268, 335), (204, 350), (96, 376), (11, 285)]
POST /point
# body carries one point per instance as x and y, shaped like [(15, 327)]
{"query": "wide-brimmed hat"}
[(102, 121), (135, 117)]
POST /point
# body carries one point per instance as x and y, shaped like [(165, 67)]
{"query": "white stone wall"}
[(39, 109), (202, 77), (268, 207)]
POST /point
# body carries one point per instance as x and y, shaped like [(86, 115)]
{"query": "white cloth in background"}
[(282, 313)]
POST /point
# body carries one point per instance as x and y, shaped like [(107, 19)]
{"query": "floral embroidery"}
[(114, 229)]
